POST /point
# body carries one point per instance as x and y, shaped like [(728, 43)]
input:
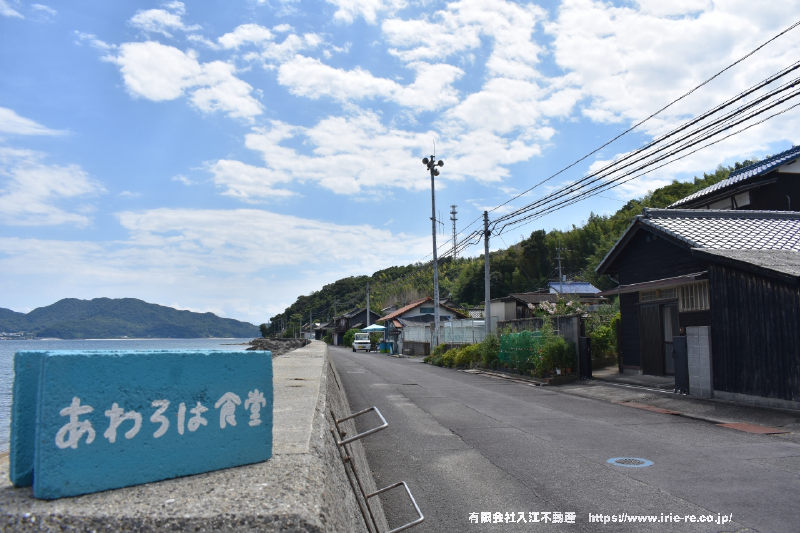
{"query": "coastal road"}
[(469, 443)]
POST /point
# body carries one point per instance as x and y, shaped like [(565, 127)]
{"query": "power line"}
[(555, 201), (641, 153), (652, 115), (617, 182)]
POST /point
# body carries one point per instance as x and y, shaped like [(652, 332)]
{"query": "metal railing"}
[(342, 442)]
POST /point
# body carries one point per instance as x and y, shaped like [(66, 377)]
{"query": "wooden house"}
[(418, 312), (728, 280), (519, 305), (356, 318), (772, 184)]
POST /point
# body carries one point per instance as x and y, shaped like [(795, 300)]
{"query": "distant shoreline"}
[(124, 339)]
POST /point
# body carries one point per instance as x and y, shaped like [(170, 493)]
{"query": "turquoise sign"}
[(90, 421)]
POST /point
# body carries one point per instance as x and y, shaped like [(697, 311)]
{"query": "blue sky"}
[(228, 156)]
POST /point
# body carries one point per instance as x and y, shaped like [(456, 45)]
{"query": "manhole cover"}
[(630, 462)]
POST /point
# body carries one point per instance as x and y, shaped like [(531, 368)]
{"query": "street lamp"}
[(431, 163)]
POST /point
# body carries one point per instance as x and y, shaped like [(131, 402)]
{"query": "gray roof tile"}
[(728, 230), (743, 174)]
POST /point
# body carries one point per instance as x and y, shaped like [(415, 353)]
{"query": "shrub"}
[(489, 351), (440, 349), (448, 358), (348, 336), (328, 338), (467, 356)]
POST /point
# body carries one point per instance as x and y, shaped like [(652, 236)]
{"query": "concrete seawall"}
[(305, 486)]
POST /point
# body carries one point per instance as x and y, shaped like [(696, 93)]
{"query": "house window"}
[(721, 204), (426, 310), (658, 294), (693, 297), (742, 199)]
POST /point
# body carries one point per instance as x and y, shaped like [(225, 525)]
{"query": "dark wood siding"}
[(629, 329), (647, 258), (783, 195), (755, 334), (695, 318), (651, 339)]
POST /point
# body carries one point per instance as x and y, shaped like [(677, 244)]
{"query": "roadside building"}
[(727, 281), (420, 312), (357, 318), (772, 184)]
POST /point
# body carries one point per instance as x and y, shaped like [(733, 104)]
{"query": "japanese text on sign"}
[(77, 428)]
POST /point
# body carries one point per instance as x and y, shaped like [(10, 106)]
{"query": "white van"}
[(361, 342)]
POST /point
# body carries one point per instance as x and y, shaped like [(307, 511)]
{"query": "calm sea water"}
[(8, 348)]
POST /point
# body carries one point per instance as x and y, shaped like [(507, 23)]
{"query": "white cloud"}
[(462, 27), (246, 34), (348, 10), (31, 191), (626, 62), (345, 154), (248, 182), (235, 241), (352, 154), (249, 263), (629, 62), (180, 178), (45, 11), (93, 41), (7, 11), (159, 72), (162, 21), (313, 79), (11, 122), (271, 50), (506, 105)]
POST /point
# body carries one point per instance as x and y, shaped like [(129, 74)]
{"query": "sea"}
[(9, 347)]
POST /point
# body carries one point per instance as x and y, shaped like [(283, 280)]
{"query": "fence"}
[(567, 326), (450, 331), (521, 350)]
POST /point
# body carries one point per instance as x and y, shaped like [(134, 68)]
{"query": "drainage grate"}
[(630, 462)]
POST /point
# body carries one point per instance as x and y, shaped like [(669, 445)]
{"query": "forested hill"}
[(105, 318), (525, 266)]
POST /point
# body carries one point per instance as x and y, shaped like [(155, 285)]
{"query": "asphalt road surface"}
[(474, 448)]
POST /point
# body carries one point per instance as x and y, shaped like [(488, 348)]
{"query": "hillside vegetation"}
[(106, 318), (525, 266)]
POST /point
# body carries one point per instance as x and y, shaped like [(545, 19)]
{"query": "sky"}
[(229, 156)]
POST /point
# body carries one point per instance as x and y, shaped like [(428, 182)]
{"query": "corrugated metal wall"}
[(755, 334)]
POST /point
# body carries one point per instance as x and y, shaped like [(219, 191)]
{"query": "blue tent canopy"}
[(373, 328)]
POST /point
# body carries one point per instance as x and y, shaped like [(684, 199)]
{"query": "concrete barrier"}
[(304, 487)]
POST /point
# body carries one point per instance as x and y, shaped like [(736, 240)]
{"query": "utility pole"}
[(453, 218), (560, 277), (310, 324), (487, 296), (432, 164), (368, 304)]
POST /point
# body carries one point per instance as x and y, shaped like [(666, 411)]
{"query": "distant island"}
[(107, 318)]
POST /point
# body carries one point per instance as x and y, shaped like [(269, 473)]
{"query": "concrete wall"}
[(698, 346), (305, 486)]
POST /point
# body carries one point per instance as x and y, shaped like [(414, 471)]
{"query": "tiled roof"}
[(534, 297), (744, 174), (780, 261), (404, 309), (728, 230), (573, 287)]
